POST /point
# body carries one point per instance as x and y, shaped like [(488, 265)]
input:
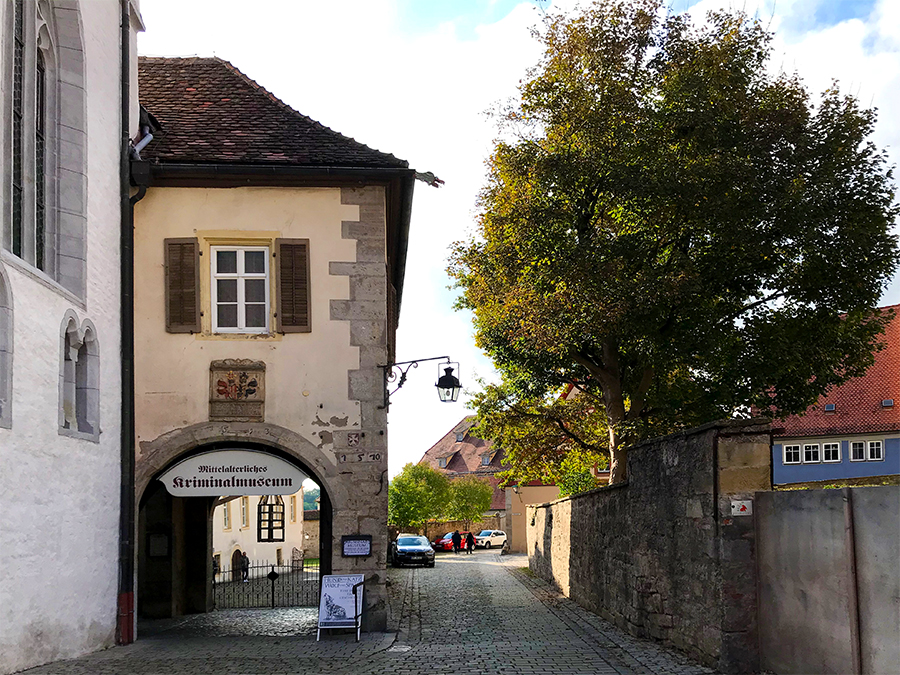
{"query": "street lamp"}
[(448, 385)]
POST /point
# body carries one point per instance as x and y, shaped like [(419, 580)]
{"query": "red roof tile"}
[(212, 113), (857, 403), (464, 458)]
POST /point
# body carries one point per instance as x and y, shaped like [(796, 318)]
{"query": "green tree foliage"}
[(309, 499), (416, 495), (469, 498), (556, 439), (675, 230)]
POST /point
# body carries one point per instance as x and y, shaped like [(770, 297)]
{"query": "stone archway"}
[(154, 456), (176, 578)]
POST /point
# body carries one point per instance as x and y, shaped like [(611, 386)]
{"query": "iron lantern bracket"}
[(396, 372)]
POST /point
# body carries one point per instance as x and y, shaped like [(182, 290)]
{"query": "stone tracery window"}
[(79, 394), (44, 175)]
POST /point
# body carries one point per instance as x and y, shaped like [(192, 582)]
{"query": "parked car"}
[(490, 538), (445, 543), (412, 550)]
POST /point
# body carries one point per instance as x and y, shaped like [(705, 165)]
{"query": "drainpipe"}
[(125, 618)]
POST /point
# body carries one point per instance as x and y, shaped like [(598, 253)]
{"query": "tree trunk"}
[(618, 456)]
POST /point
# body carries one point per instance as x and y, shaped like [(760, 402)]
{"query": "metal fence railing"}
[(265, 584)]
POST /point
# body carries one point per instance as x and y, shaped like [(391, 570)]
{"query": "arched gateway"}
[(174, 563)]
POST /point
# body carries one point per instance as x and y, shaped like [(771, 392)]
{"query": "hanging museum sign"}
[(232, 472)]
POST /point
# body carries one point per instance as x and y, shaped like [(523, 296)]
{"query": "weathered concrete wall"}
[(829, 577), (59, 495), (661, 556)]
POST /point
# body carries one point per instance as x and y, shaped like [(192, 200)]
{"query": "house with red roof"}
[(853, 431), (269, 259), (461, 453)]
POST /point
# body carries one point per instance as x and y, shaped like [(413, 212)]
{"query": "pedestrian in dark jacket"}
[(457, 541), (470, 543)]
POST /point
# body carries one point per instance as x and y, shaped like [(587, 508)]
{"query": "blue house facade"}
[(810, 459), (853, 431)]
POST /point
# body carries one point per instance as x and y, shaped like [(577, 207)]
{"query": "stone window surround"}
[(867, 445), (814, 450), (831, 446), (245, 512), (79, 382), (54, 28), (240, 275), (6, 350)]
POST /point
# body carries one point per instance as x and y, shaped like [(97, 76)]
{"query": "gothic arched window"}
[(79, 394), (45, 173)]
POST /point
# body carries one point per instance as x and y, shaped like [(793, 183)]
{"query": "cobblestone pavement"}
[(479, 614)]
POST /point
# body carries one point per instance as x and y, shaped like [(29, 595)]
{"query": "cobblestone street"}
[(470, 614)]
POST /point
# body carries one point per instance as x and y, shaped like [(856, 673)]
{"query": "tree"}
[(309, 499), (675, 230), (416, 495), (469, 498), (536, 435)]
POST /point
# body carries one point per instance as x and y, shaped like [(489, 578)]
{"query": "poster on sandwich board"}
[(337, 608)]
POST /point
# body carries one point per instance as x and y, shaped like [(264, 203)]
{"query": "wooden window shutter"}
[(182, 285), (292, 285)]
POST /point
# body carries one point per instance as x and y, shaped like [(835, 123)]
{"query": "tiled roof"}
[(857, 403), (311, 514), (464, 458), (212, 113)]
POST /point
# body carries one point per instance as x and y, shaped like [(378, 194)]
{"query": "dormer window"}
[(829, 407), (485, 460), (887, 403), (442, 462), (460, 435)]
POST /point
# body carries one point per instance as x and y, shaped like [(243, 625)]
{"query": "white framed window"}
[(791, 454), (857, 451), (831, 452), (876, 451), (239, 288), (245, 511), (226, 516), (811, 453)]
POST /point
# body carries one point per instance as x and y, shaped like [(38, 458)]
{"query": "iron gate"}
[(291, 584)]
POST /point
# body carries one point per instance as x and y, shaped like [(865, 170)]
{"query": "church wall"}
[(59, 494)]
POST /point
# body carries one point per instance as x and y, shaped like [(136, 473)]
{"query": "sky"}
[(416, 78)]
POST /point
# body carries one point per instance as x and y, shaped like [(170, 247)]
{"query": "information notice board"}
[(337, 608)]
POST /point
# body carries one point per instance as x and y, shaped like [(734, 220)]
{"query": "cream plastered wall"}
[(306, 373), (226, 541), (60, 495), (516, 511)]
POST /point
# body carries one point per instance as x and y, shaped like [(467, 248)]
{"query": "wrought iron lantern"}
[(448, 386)]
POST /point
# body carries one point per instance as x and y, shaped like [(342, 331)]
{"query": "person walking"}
[(470, 543), (457, 541), (245, 567)]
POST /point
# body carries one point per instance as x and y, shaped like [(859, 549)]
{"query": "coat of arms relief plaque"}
[(237, 390)]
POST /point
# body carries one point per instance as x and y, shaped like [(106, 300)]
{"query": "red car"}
[(445, 543)]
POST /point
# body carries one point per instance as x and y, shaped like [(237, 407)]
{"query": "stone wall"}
[(661, 556)]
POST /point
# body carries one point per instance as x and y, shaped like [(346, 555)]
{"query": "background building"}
[(853, 432)]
